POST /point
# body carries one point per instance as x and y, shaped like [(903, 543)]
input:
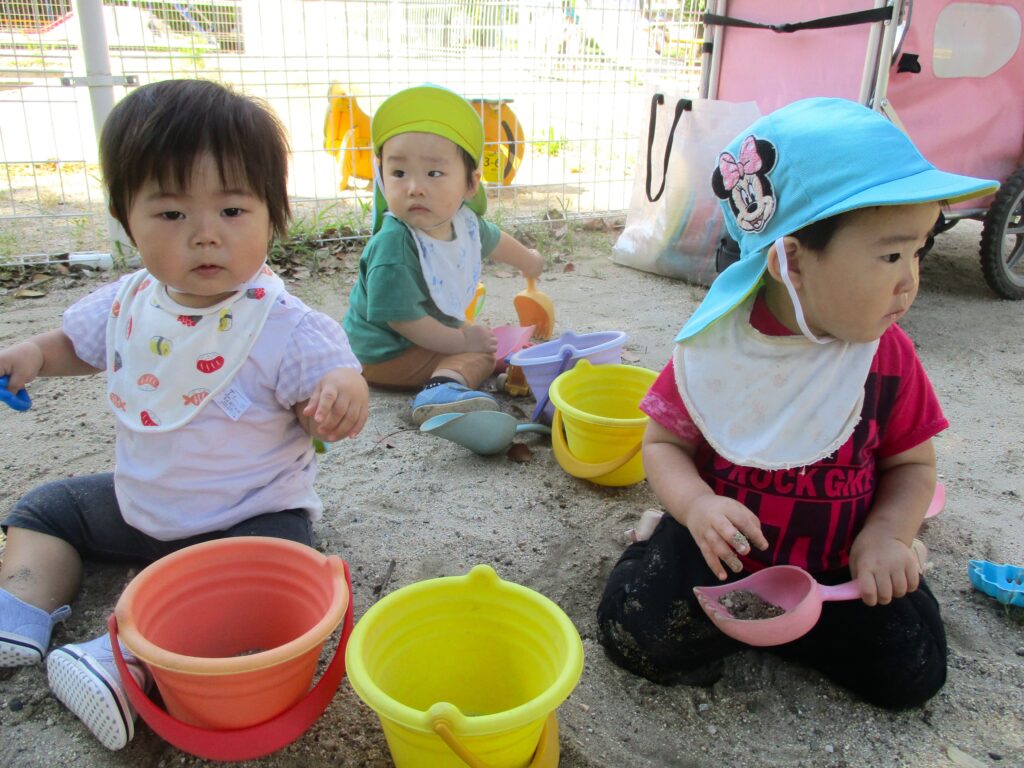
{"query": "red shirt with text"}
[(811, 515)]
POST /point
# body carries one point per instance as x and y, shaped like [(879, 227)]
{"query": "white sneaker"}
[(84, 677)]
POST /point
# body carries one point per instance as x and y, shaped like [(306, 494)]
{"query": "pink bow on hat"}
[(733, 170)]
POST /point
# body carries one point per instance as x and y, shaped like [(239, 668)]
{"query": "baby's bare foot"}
[(648, 522), (921, 553)]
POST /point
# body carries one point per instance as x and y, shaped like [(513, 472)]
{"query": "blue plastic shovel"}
[(19, 401)]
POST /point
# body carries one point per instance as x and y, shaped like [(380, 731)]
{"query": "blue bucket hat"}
[(805, 162), (428, 109)]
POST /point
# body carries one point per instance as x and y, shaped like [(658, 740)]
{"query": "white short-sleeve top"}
[(222, 468)]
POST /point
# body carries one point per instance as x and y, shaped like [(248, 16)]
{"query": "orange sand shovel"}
[(535, 308)]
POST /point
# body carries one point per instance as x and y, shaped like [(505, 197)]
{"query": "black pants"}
[(650, 623)]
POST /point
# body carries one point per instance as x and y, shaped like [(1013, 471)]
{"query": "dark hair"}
[(160, 130), (818, 235), (467, 161)]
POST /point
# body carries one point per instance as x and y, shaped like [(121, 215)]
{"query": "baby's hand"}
[(22, 363), (338, 406), (884, 567), (479, 338), (535, 264), (722, 527)]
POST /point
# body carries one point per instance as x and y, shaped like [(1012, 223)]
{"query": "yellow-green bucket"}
[(466, 670), (598, 427)]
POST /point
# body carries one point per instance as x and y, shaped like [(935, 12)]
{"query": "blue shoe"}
[(25, 630), (450, 398)]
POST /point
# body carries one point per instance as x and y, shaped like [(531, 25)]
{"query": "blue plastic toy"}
[(1003, 582), (19, 402)]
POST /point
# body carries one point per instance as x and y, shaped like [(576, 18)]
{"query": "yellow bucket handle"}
[(442, 729), (546, 755), (582, 469)]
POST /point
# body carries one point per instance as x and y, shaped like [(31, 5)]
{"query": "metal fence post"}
[(100, 82)]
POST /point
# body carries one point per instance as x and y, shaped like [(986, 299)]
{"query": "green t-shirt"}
[(391, 289)]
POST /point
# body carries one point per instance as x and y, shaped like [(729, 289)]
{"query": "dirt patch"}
[(749, 606)]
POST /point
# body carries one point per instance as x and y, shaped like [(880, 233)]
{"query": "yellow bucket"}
[(466, 670), (598, 427)]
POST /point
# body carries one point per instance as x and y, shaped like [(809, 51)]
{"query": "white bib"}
[(452, 268), (165, 361), (771, 402)]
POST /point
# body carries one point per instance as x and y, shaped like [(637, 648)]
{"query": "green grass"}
[(10, 244), (319, 234), (552, 146)]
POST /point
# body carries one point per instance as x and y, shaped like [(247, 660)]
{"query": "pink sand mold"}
[(511, 338)]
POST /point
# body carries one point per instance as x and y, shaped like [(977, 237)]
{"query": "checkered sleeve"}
[(85, 323), (317, 345)]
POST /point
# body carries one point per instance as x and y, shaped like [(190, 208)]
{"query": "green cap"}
[(428, 109)]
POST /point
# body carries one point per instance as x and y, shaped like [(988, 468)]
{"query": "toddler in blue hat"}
[(418, 273), (793, 423)]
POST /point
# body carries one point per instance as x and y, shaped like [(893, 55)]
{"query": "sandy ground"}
[(402, 507)]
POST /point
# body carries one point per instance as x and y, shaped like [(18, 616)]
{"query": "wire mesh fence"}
[(562, 88)]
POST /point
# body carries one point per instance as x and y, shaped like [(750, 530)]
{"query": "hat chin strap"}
[(780, 250)]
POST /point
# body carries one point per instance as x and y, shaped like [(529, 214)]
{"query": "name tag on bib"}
[(233, 402)]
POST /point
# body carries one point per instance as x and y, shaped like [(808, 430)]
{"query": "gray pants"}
[(83, 511)]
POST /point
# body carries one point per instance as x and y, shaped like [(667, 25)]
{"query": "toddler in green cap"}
[(420, 269)]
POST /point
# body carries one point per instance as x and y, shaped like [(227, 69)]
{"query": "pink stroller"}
[(950, 73)]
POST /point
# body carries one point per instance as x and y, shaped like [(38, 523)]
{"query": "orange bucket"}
[(231, 631)]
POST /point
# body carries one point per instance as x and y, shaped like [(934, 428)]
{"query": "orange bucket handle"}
[(242, 743), (584, 469)]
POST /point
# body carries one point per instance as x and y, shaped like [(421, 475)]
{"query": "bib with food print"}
[(165, 361)]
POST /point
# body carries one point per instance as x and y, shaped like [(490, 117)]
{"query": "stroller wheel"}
[(1002, 240)]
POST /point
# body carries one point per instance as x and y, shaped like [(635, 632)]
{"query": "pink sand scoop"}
[(790, 588)]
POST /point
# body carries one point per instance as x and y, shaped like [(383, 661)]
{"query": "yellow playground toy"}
[(503, 140), (347, 138)]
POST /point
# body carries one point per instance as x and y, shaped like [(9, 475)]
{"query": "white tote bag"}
[(674, 223)]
